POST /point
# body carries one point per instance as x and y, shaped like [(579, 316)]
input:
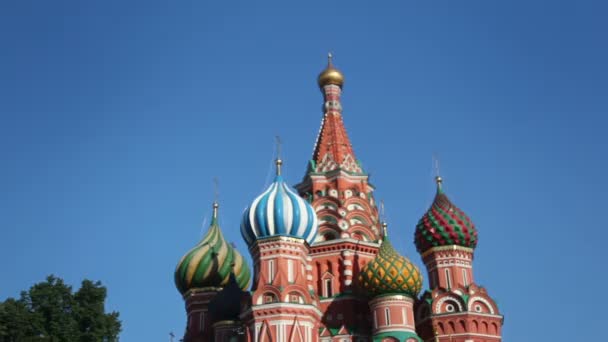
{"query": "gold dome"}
[(390, 273), (330, 75)]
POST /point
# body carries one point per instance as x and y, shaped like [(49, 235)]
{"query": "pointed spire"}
[(333, 149)]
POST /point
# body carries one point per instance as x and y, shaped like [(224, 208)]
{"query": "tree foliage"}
[(50, 311)]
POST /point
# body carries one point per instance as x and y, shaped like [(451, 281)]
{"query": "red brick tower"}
[(338, 189), (455, 309)]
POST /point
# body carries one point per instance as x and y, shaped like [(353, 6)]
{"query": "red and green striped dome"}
[(444, 225), (210, 262), (390, 273)]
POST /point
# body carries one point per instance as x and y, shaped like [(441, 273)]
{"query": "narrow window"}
[(447, 278), (270, 270), (465, 280), (290, 271), (375, 320), (434, 280), (387, 314), (328, 289)]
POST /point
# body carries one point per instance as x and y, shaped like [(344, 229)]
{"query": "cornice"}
[(446, 249)]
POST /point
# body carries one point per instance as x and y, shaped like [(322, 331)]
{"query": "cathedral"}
[(324, 267)]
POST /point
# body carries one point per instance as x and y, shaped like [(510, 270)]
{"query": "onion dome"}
[(226, 305), (330, 75), (444, 225), (279, 211), (390, 273), (208, 264)]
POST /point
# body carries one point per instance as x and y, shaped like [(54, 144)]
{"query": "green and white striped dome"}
[(210, 262)]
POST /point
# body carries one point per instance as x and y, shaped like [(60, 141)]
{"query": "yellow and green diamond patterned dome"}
[(390, 273), (210, 262)]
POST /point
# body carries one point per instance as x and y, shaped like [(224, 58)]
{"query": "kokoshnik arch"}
[(324, 266)]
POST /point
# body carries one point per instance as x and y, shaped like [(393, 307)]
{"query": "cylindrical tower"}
[(278, 227), (202, 273), (455, 309), (393, 283), (446, 238)]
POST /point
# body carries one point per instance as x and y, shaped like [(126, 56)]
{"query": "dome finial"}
[(215, 209), (383, 218), (279, 161), (438, 178), (439, 182), (329, 59), (216, 195)]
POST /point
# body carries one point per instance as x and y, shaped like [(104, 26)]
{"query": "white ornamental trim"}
[(445, 299), (483, 300)]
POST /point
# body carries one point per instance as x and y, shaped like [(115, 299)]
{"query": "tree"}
[(50, 311)]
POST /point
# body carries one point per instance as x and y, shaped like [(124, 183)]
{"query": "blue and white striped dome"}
[(279, 211)]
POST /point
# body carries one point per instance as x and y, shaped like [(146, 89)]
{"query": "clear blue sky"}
[(116, 116)]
